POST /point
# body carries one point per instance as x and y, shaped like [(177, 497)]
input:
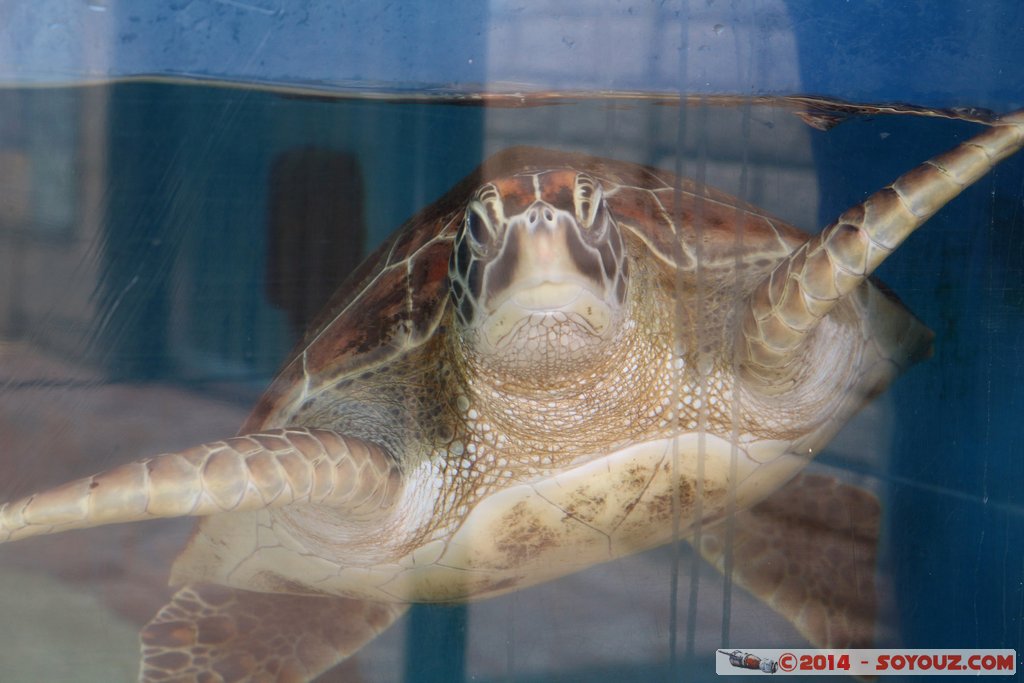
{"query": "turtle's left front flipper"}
[(808, 552), (786, 308), (270, 469)]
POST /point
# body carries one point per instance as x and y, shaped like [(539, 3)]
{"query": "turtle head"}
[(538, 273)]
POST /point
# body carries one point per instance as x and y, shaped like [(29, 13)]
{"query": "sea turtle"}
[(564, 360)]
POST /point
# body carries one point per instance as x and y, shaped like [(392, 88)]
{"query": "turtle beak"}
[(545, 265), (545, 275)]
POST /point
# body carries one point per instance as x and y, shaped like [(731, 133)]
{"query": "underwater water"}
[(163, 245)]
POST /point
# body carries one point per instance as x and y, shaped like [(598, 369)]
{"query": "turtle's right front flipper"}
[(270, 469)]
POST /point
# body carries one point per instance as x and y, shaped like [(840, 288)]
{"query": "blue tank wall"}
[(933, 53)]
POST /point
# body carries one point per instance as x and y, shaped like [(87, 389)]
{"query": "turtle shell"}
[(395, 301)]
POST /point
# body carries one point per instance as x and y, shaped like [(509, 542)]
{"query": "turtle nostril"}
[(532, 216), (549, 215)]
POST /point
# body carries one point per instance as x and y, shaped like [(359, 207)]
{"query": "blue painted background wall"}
[(908, 50)]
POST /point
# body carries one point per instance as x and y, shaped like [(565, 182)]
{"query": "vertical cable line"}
[(677, 369), (734, 405), (699, 376)]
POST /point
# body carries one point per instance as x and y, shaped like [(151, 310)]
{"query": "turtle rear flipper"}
[(809, 553), (210, 632)]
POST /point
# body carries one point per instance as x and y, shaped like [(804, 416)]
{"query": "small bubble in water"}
[(718, 28)]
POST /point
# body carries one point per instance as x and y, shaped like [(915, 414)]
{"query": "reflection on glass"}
[(146, 324)]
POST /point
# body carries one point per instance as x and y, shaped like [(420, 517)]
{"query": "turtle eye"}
[(476, 227), (588, 199), (480, 216)]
